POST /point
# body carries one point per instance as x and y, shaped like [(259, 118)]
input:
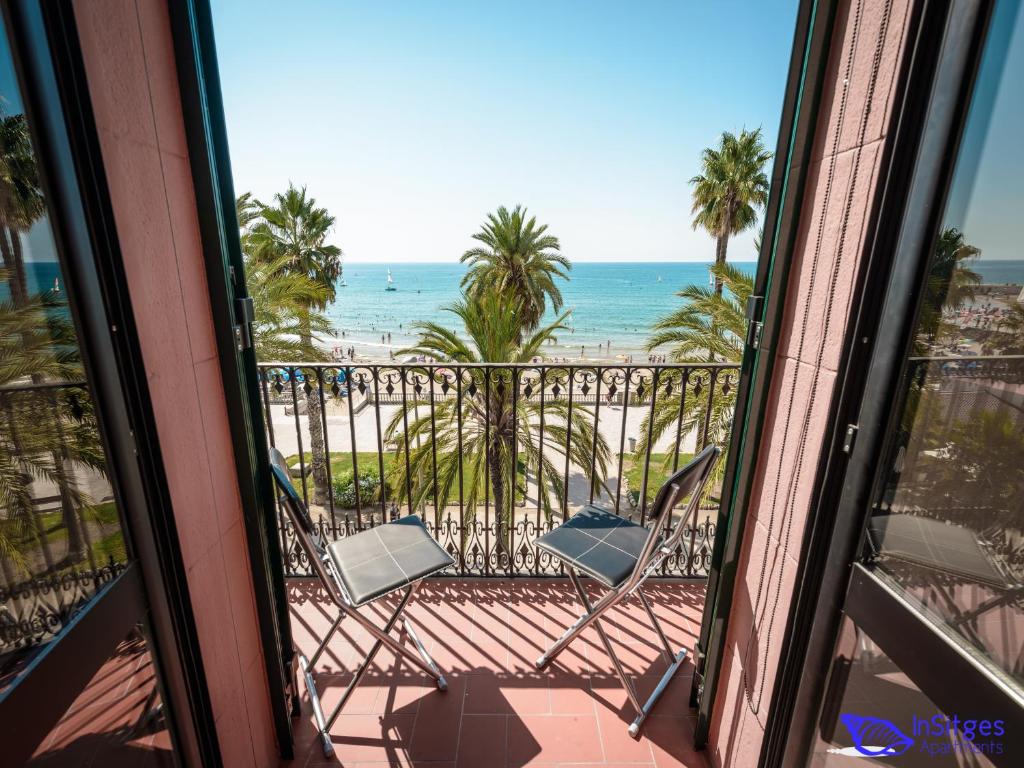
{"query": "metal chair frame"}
[(311, 544), (690, 479)]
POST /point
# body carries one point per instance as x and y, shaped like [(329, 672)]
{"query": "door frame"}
[(47, 55), (209, 159), (797, 133), (935, 85)]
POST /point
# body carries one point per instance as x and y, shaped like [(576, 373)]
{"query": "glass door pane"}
[(949, 527), (66, 559), (61, 537), (873, 711), (119, 719)]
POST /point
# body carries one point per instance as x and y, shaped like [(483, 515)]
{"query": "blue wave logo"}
[(876, 737)]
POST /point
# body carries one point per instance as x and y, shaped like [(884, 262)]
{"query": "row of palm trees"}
[(45, 433), (512, 280), (291, 273)]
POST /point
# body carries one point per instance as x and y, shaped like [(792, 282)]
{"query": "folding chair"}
[(943, 551), (621, 555), (357, 570)]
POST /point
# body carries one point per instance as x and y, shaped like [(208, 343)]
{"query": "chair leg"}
[(584, 621), (630, 690), (423, 661), (419, 659), (592, 615), (665, 646), (367, 660), (645, 710), (326, 638), (675, 660)]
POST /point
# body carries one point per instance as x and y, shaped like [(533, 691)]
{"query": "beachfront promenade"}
[(339, 437)]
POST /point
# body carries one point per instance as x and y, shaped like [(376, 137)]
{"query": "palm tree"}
[(281, 301), (22, 204), (1012, 331), (518, 258), (291, 234), (21, 199), (730, 188), (41, 436), (951, 283), (712, 323), (492, 429)]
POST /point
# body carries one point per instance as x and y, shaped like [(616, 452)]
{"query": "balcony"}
[(499, 710), (489, 622), (420, 427)]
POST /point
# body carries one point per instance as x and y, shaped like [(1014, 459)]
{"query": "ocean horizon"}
[(615, 302)]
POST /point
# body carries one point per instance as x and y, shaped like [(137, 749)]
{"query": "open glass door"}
[(91, 632), (929, 668)]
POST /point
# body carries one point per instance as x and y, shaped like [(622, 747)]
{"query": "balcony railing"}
[(60, 532), (424, 438)]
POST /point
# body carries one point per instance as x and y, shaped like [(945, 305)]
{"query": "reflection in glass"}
[(60, 534), (949, 527), (117, 720), (876, 715)]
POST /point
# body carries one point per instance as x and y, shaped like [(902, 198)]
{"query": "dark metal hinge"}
[(755, 307), (244, 315), (849, 438)]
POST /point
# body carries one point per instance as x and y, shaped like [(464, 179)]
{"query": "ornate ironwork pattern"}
[(411, 438), (34, 610)]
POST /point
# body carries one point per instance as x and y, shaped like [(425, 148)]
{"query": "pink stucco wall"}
[(133, 83), (842, 176)]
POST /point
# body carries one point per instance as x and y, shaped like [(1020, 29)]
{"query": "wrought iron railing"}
[(60, 544), (369, 443)]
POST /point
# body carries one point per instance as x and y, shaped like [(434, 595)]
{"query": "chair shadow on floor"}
[(499, 710)]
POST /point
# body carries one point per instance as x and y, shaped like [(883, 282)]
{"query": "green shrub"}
[(345, 489)]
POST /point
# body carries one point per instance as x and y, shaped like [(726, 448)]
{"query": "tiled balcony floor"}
[(498, 710)]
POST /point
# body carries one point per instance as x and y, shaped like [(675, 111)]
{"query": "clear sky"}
[(411, 120)]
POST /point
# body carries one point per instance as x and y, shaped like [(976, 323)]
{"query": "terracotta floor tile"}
[(487, 694), (554, 739), (499, 709), (370, 738), (671, 741), (463, 657), (484, 741), (570, 695), (438, 723), (362, 700)]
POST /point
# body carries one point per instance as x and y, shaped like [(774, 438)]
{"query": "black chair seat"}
[(599, 543), (374, 562), (936, 545)]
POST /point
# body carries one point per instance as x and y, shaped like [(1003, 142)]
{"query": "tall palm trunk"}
[(501, 512), (14, 261), (314, 413), (722, 241)]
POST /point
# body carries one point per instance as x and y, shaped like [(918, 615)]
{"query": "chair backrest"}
[(687, 481), (302, 523)]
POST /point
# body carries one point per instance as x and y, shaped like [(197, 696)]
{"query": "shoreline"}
[(378, 352)]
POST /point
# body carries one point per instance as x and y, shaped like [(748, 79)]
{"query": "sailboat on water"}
[(391, 282)]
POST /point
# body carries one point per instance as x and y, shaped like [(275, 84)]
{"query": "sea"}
[(609, 302), (612, 305)]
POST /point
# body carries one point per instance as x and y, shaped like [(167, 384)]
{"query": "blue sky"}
[(410, 121)]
